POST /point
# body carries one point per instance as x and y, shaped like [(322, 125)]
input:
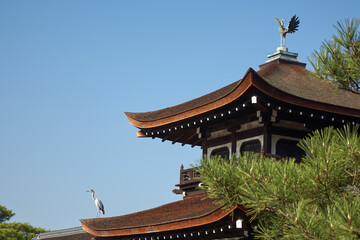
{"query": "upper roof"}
[(187, 213), (283, 80), (299, 82), (184, 107)]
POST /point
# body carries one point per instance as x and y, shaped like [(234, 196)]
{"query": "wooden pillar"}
[(233, 142), (266, 118), (204, 145), (233, 126), (267, 135), (204, 148)]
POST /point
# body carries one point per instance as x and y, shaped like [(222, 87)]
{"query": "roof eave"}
[(231, 96), (250, 79), (172, 226), (261, 84)]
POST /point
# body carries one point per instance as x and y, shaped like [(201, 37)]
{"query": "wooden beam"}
[(140, 134), (261, 107), (239, 136), (165, 138), (196, 142), (191, 136), (289, 132), (177, 138), (234, 121)]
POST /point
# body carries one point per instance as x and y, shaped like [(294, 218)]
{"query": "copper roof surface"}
[(296, 84), (190, 212)]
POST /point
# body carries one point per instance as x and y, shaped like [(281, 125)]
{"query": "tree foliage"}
[(339, 58), (5, 214), (15, 230), (316, 199)]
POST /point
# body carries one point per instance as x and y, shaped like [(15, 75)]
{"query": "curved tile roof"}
[(298, 81), (190, 212), (295, 84), (184, 107)]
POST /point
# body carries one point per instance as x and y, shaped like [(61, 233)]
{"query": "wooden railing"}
[(188, 175)]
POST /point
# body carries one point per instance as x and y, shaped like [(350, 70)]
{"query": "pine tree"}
[(15, 230), (318, 198), (339, 58)]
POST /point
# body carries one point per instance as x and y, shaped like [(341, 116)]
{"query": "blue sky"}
[(70, 69)]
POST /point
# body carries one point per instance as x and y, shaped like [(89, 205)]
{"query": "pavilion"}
[(267, 111)]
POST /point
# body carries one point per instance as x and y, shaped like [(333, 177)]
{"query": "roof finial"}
[(291, 28)]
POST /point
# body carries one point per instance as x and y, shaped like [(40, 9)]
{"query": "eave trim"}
[(250, 79), (238, 91), (172, 226), (263, 86)]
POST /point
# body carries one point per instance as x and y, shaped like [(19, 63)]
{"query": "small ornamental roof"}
[(190, 212), (280, 79), (76, 233), (80, 236)]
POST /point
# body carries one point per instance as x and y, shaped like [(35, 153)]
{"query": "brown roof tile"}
[(190, 212), (292, 80), (296, 80), (195, 103), (189, 208)]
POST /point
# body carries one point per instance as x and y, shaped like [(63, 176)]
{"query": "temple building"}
[(267, 111)]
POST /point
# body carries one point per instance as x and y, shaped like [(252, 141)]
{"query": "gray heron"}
[(99, 205)]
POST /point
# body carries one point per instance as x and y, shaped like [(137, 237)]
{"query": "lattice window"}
[(224, 152), (289, 148), (251, 146)]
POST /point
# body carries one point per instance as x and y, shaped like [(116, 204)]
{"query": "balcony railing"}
[(189, 179), (191, 175), (188, 175)]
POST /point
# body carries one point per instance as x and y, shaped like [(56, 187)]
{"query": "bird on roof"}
[(99, 205), (291, 28)]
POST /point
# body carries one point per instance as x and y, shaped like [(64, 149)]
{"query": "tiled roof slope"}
[(76, 233), (81, 236), (184, 107), (296, 80), (190, 212), (278, 75)]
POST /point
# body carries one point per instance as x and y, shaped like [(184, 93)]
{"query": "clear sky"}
[(70, 69)]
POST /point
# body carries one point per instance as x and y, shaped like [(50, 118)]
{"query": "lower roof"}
[(190, 212)]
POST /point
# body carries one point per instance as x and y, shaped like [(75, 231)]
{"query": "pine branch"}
[(339, 59)]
